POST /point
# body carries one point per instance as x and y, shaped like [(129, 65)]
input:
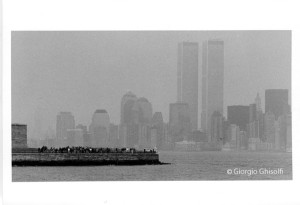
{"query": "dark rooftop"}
[(16, 124), (101, 111)]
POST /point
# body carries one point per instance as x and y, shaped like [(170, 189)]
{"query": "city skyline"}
[(115, 113)]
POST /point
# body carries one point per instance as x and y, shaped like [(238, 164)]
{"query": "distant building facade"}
[(234, 136), (217, 130), (143, 117), (75, 137), (252, 112), (142, 111), (179, 121), (113, 135), (64, 121), (19, 136), (258, 103), (289, 133), (187, 78), (276, 102), (127, 103), (282, 126), (87, 139), (269, 125), (135, 123), (127, 121), (212, 81), (238, 115), (157, 126), (99, 128)]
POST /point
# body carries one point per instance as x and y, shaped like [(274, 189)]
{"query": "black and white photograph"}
[(157, 105), (150, 102)]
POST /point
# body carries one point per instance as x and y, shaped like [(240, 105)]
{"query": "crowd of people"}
[(80, 149)]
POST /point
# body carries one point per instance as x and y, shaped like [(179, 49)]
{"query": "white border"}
[(150, 15)]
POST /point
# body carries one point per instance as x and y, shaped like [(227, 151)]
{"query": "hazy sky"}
[(84, 71)]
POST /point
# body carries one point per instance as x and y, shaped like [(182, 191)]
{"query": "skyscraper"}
[(259, 117), (187, 79), (252, 112), (158, 125), (269, 123), (179, 121), (126, 127), (136, 115), (99, 128), (217, 123), (87, 141), (233, 133), (113, 135), (64, 121), (142, 110), (258, 103), (277, 102), (128, 100), (212, 81)]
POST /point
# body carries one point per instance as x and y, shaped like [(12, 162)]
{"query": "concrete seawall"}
[(81, 159)]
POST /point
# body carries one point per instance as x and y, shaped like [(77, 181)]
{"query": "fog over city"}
[(82, 71)]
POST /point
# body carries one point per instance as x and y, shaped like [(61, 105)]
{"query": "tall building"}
[(212, 81), (128, 100), (281, 134), (113, 135), (187, 79), (217, 131), (157, 124), (234, 136), (126, 118), (87, 141), (134, 135), (252, 112), (270, 128), (64, 121), (260, 118), (258, 102), (99, 128), (122, 135), (289, 133), (179, 121), (276, 102), (243, 140), (136, 115), (238, 115), (142, 111), (259, 123), (253, 123)]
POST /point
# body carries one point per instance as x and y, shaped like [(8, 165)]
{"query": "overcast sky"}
[(84, 71)]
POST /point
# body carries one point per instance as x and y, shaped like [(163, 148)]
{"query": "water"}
[(184, 166)]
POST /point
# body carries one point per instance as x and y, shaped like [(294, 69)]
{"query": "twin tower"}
[(188, 85)]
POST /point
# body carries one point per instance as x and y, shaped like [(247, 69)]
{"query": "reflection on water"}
[(184, 166)]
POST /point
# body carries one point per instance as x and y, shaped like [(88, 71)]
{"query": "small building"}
[(19, 136)]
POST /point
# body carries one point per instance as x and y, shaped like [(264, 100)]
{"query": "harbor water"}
[(183, 166)]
